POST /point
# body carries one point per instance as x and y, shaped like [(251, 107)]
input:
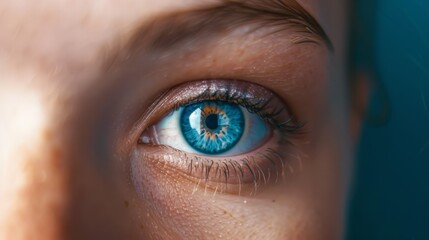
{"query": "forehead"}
[(67, 35)]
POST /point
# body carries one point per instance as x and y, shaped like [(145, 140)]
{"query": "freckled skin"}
[(61, 175)]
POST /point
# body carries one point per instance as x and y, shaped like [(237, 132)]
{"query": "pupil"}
[(212, 121)]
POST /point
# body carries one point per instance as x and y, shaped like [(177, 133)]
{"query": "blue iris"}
[(212, 127)]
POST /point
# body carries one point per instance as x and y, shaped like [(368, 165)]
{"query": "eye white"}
[(169, 133)]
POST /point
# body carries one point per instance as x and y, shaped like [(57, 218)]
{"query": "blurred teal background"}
[(390, 199)]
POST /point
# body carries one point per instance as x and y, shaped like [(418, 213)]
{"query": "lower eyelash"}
[(245, 175)]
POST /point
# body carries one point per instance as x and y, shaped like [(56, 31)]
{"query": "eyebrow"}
[(170, 30)]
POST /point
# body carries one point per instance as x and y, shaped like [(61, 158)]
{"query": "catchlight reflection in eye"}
[(212, 128)]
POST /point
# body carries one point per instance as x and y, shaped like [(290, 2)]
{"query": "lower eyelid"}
[(235, 175)]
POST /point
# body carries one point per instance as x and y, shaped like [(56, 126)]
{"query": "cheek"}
[(171, 208)]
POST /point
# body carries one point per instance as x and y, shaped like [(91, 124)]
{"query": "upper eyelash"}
[(259, 108)]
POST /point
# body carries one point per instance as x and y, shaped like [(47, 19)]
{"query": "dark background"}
[(390, 199)]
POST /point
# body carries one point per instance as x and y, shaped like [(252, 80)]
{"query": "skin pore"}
[(81, 81)]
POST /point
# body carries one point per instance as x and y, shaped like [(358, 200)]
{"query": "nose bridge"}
[(33, 175)]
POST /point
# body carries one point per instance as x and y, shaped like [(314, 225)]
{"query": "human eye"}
[(226, 135), (212, 128)]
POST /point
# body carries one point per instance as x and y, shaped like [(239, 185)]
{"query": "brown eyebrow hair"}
[(168, 31)]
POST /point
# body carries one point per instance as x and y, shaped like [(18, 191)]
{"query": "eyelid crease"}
[(256, 99)]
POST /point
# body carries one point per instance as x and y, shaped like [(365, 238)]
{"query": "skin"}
[(70, 166)]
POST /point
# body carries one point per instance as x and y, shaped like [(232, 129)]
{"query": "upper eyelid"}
[(196, 91), (174, 98)]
